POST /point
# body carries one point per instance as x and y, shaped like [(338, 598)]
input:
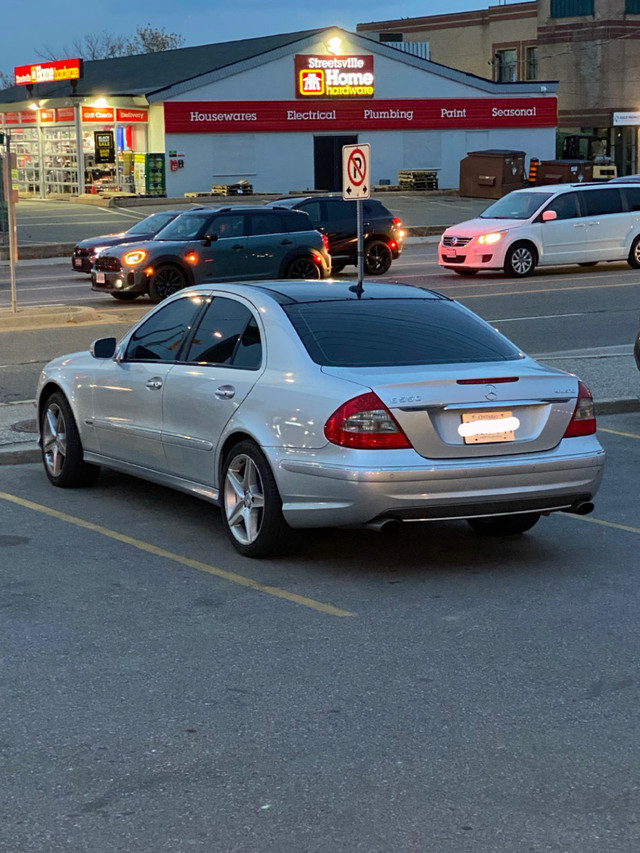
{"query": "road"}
[(428, 693)]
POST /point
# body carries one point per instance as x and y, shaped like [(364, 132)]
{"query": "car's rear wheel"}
[(504, 525), (166, 280), (125, 297), (251, 504), (465, 272), (520, 260), (377, 258), (303, 267), (634, 254), (61, 446), (337, 267)]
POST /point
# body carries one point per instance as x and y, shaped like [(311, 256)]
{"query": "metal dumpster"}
[(492, 173), (564, 171)]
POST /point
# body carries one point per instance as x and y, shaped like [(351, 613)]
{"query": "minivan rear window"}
[(388, 332), (516, 205)]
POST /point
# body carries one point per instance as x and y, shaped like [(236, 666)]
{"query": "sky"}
[(32, 31)]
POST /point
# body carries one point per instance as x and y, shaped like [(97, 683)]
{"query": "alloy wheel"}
[(244, 499)]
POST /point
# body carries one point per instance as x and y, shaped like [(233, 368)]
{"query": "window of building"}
[(506, 65), (571, 8), (384, 37), (632, 7), (531, 67)]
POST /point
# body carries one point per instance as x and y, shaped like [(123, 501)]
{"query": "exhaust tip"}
[(581, 508)]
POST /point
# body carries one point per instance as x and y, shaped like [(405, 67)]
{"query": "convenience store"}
[(272, 111)]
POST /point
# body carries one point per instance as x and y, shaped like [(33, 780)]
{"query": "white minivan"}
[(548, 225)]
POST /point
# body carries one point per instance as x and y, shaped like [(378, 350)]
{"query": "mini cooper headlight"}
[(135, 257)]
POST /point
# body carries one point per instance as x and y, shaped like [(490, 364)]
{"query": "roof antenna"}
[(357, 289)]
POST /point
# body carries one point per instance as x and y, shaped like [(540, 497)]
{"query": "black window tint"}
[(225, 336), (342, 213), (160, 338), (228, 225), (633, 197), (265, 223), (313, 209), (379, 332), (601, 202), (565, 205), (297, 220)]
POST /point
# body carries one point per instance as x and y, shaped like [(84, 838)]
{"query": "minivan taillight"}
[(583, 420), (365, 423)]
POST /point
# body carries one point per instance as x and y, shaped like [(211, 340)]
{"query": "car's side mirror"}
[(208, 239), (103, 348), (549, 215)]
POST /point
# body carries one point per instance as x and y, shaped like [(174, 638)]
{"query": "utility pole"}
[(7, 173)]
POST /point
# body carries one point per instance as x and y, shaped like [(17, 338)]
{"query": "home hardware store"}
[(273, 111)]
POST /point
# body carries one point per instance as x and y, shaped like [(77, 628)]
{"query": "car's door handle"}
[(155, 383), (225, 392), (286, 242), (238, 246)]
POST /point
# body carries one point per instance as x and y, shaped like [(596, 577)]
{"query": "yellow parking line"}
[(185, 561), (617, 432), (625, 527)]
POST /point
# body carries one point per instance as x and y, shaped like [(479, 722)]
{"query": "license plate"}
[(100, 279), (77, 262), (483, 427)]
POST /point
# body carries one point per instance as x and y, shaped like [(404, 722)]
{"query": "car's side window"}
[(265, 223), (161, 336), (228, 334), (565, 205), (633, 198), (602, 202), (228, 225), (314, 209), (341, 214)]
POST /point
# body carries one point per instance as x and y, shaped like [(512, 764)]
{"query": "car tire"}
[(465, 272), (61, 448), (504, 525), (377, 258), (303, 267), (634, 254), (125, 296), (251, 504), (520, 260), (166, 280), (337, 267)]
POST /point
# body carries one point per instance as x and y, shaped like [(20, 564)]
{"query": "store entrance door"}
[(327, 161)]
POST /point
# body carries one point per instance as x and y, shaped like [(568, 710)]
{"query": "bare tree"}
[(106, 45)]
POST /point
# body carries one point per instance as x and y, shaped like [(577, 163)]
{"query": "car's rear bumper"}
[(317, 493)]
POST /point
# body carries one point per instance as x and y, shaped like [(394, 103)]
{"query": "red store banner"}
[(419, 114), (28, 117), (47, 116), (12, 118), (101, 114), (65, 114), (131, 116)]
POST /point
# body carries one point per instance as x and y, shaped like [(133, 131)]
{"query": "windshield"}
[(152, 223), (187, 226), (516, 205)]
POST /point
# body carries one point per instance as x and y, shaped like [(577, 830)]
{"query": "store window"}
[(59, 161), (571, 8), (506, 65), (26, 147)]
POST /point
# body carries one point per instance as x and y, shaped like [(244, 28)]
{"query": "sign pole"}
[(360, 243), (11, 218)]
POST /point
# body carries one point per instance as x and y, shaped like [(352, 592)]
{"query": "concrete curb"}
[(37, 318)]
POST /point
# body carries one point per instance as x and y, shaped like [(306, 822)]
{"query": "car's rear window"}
[(387, 332)]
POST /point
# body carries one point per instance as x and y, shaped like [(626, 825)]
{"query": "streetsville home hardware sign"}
[(334, 76), (48, 72), (419, 114)]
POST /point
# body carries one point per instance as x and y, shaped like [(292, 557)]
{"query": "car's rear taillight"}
[(365, 423), (583, 420), (325, 241), (397, 222)]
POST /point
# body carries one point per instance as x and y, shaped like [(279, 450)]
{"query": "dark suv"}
[(215, 244), (335, 217)]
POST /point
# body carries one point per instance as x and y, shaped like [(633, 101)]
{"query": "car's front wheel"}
[(251, 504), (166, 280), (61, 447), (303, 267), (377, 258), (504, 525), (520, 260)]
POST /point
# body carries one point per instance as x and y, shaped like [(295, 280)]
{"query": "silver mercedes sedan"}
[(297, 404)]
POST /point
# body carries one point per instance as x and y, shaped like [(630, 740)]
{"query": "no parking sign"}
[(355, 171)]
